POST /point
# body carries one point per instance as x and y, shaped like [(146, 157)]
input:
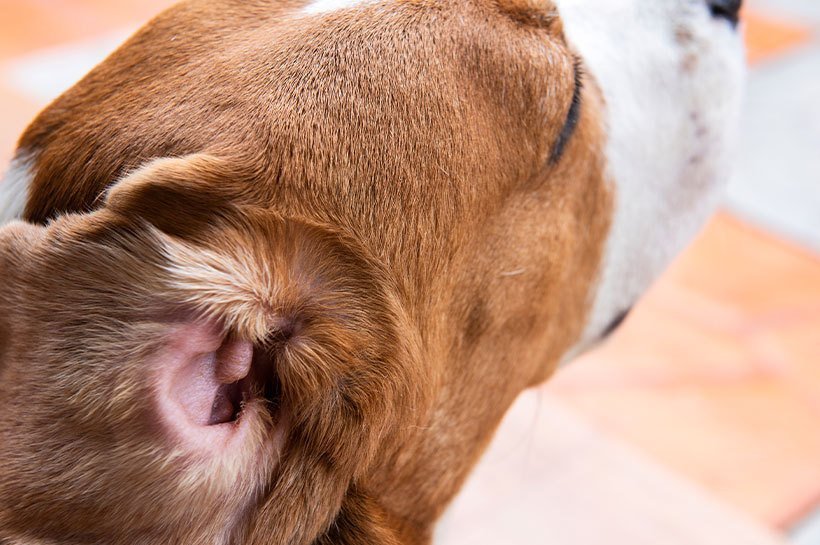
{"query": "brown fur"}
[(351, 194)]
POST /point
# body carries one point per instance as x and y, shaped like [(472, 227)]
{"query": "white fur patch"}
[(327, 6), (672, 76), (14, 189)]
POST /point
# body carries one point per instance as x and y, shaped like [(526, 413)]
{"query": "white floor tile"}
[(777, 184)]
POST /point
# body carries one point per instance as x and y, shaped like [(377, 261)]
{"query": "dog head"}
[(287, 265)]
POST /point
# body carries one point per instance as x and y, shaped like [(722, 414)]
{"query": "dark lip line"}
[(573, 116)]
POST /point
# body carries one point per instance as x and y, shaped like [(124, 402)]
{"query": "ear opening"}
[(203, 384)]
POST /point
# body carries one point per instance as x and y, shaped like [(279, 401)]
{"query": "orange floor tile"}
[(770, 281), (28, 26), (124, 11), (767, 37), (717, 373)]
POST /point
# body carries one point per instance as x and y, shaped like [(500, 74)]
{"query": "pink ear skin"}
[(202, 387)]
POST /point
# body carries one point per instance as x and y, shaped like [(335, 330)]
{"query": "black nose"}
[(726, 9)]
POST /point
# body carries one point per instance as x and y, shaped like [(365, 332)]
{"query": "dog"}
[(275, 270)]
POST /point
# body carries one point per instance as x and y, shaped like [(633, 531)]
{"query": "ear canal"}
[(201, 384)]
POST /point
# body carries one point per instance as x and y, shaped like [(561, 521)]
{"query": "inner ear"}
[(180, 196), (202, 382)]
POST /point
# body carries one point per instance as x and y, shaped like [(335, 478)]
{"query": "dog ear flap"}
[(175, 274), (181, 196), (15, 240), (102, 335), (15, 237)]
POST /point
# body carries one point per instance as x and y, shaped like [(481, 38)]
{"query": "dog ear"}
[(182, 196), (339, 338), (123, 347), (117, 395), (132, 327)]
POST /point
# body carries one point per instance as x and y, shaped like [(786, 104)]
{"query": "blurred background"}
[(699, 422)]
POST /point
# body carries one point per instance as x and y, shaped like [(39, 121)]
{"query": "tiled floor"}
[(716, 376), (770, 35), (778, 175), (716, 373), (552, 478)]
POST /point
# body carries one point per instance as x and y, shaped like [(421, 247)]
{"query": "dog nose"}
[(726, 9)]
